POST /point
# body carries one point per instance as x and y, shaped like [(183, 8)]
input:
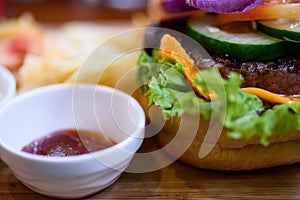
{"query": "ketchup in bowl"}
[(68, 142)]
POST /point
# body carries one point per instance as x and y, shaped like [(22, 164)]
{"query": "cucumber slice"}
[(244, 46), (283, 29)]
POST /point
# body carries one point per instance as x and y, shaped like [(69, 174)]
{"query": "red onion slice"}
[(217, 6), (224, 6), (174, 6)]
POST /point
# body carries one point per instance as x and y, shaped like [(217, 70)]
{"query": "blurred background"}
[(65, 10)]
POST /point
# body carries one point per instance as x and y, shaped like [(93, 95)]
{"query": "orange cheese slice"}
[(269, 96), (170, 47)]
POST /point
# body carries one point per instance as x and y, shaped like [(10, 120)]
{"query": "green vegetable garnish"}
[(246, 116)]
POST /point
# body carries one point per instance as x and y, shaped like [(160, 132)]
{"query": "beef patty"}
[(280, 76)]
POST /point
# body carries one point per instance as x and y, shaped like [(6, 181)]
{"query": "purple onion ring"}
[(174, 6), (217, 6)]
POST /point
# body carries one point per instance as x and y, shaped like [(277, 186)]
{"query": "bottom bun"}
[(183, 137)]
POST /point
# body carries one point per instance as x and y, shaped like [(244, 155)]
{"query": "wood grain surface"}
[(180, 181)]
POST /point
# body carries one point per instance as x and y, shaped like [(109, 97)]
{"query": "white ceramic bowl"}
[(38, 112), (7, 86)]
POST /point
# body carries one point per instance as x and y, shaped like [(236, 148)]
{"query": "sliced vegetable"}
[(282, 28), (171, 48), (244, 45), (262, 12), (217, 6), (174, 6), (223, 6)]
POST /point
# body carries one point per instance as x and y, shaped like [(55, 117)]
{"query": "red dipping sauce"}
[(68, 142)]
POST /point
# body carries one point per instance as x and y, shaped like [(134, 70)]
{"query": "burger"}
[(225, 75)]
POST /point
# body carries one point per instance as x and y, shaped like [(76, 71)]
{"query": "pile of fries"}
[(40, 54)]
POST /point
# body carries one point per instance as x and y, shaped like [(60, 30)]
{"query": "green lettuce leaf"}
[(242, 113)]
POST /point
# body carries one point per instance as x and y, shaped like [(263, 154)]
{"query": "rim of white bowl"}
[(11, 83), (81, 157)]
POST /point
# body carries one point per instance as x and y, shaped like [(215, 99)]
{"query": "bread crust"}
[(227, 154)]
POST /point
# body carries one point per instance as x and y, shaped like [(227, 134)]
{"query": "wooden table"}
[(179, 181)]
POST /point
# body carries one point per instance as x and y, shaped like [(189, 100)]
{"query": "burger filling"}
[(260, 96)]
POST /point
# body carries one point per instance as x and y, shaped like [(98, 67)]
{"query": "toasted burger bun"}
[(227, 154)]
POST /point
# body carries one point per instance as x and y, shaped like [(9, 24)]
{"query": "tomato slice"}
[(263, 12)]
